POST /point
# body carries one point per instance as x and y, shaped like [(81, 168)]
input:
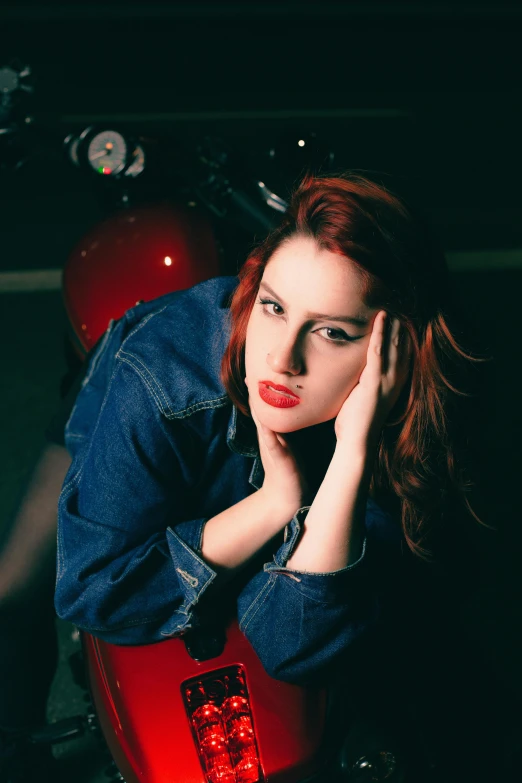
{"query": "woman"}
[(212, 444), (268, 446)]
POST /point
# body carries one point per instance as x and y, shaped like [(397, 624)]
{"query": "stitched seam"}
[(59, 552), (110, 328), (340, 571), (200, 538), (258, 597), (193, 554), (178, 630), (73, 480), (260, 600), (144, 379), (102, 407), (94, 364), (142, 323), (218, 402), (144, 372), (285, 573), (192, 580), (336, 600)]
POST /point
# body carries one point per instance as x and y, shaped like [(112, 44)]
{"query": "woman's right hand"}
[(284, 486)]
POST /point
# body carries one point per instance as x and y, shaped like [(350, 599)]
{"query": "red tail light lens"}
[(218, 707), (206, 721), (237, 720)]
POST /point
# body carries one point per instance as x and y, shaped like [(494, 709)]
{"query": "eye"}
[(336, 335), (270, 302)]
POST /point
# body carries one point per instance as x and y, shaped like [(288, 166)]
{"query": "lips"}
[(276, 395)]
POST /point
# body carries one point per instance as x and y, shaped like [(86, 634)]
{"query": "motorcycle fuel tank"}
[(141, 695), (138, 254)]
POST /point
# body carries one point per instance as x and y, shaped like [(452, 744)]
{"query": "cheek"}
[(253, 344), (341, 378)]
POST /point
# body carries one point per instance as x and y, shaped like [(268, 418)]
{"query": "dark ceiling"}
[(163, 56), (429, 93)]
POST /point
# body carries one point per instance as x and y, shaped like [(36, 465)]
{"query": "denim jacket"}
[(157, 449)]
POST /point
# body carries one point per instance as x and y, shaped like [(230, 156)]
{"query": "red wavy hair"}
[(403, 271)]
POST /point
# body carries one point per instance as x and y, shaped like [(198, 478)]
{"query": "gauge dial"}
[(71, 143), (107, 152), (138, 162)]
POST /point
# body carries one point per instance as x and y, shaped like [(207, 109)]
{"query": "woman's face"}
[(296, 336)]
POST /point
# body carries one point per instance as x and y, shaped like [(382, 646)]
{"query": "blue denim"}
[(157, 449)]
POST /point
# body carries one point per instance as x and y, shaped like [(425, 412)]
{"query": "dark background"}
[(428, 93), (426, 96)]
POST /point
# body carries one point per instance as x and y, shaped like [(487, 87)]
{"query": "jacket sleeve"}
[(302, 623), (129, 568)]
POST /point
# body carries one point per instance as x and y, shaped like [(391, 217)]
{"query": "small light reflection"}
[(84, 327), (168, 261), (301, 142)]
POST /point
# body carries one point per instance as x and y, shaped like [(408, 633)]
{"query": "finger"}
[(394, 346), (273, 441), (253, 413), (375, 346), (268, 439), (401, 350), (400, 361)]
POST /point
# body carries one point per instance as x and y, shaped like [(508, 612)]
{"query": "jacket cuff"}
[(193, 573), (320, 586), (191, 532), (292, 535)]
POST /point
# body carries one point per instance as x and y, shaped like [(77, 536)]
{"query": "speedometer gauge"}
[(107, 152)]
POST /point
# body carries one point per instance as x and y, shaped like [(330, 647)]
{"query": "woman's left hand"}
[(365, 410)]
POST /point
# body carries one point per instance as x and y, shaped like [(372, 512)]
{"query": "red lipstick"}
[(276, 395)]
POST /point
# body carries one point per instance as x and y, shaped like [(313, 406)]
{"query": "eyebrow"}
[(361, 322)]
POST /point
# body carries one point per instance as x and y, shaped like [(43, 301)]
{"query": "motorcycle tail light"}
[(218, 707), (211, 740)]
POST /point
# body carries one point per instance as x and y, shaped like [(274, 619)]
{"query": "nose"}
[(285, 357)]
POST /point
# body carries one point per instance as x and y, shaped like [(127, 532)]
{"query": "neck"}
[(315, 447)]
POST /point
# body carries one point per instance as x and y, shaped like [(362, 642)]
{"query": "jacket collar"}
[(242, 434), (242, 439)]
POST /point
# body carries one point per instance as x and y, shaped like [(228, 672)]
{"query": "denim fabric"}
[(158, 448)]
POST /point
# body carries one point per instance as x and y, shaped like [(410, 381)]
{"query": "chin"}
[(283, 420)]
